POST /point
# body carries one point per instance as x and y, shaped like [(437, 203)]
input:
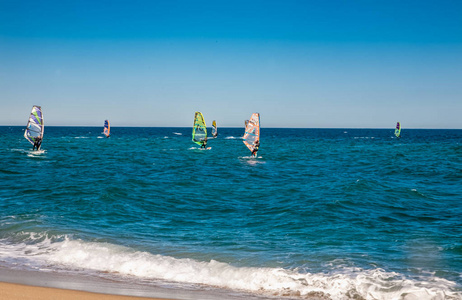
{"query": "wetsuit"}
[(37, 144), (255, 149), (204, 143)]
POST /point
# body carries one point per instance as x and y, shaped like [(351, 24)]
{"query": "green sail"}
[(35, 125), (398, 129), (199, 134)]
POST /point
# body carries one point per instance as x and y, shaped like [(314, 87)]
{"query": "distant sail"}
[(252, 131), (214, 129), (35, 126), (246, 122), (107, 128), (398, 129), (199, 134)]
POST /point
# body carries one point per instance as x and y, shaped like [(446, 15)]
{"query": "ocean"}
[(320, 214)]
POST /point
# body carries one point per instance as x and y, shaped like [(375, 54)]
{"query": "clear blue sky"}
[(299, 63)]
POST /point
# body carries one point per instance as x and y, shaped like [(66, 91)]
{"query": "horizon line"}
[(132, 126)]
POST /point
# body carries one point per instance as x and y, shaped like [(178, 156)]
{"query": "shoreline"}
[(16, 291), (49, 284), (27, 284), (59, 285)]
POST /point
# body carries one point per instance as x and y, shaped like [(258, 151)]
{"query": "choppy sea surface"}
[(320, 214)]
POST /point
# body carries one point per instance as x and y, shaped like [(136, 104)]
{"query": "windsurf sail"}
[(398, 129), (199, 133), (246, 122), (35, 126), (107, 128), (214, 129), (252, 131)]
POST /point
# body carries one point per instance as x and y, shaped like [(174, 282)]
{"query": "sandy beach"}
[(13, 291), (21, 284), (33, 284)]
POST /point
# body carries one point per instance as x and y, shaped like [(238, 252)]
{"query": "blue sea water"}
[(321, 213)]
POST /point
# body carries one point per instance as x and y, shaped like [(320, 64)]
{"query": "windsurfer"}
[(37, 143), (255, 148), (204, 143)]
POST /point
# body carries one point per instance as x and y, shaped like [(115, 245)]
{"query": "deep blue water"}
[(342, 213)]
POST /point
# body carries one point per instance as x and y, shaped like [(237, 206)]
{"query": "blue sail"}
[(35, 126)]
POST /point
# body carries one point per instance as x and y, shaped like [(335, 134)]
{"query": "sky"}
[(313, 64)]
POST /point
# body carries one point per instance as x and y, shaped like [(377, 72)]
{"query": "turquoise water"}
[(331, 213)]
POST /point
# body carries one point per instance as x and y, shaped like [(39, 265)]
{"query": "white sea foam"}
[(30, 152), (35, 153), (64, 252), (177, 133), (233, 138)]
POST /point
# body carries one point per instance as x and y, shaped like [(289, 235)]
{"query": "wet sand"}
[(14, 291), (21, 284), (34, 284)]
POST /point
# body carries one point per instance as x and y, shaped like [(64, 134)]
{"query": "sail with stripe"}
[(35, 126), (199, 133), (107, 128), (252, 132), (398, 129), (214, 129)]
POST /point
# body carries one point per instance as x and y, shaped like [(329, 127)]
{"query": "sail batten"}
[(199, 133), (35, 126), (252, 132)]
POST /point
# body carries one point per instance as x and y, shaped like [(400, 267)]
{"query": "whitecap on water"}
[(35, 153)]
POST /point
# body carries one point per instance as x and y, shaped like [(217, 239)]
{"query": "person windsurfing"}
[(37, 143), (204, 144), (34, 128), (255, 148)]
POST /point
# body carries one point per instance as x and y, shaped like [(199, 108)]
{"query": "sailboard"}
[(252, 132), (199, 133), (398, 129), (35, 126), (214, 129), (107, 128)]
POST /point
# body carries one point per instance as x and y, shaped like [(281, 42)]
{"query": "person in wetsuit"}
[(255, 148), (37, 144), (204, 144)]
